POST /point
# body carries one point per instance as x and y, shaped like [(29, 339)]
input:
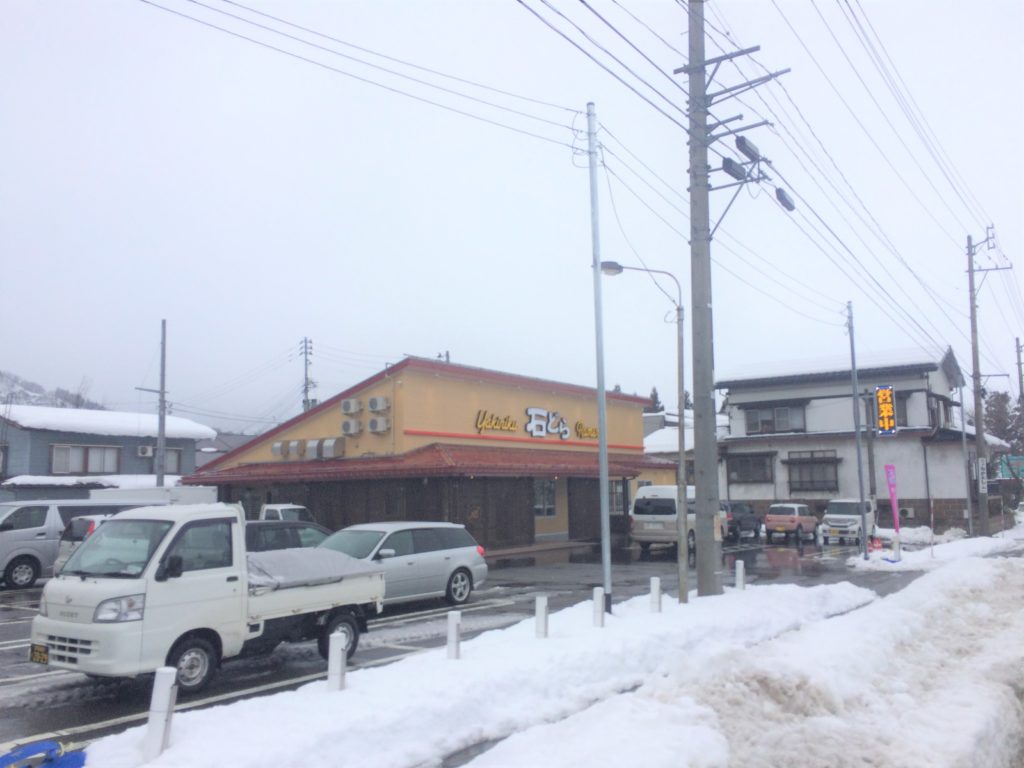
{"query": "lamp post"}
[(682, 523)]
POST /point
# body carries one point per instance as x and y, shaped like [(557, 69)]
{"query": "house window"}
[(813, 471), (780, 419), (85, 460), (543, 498), (172, 461), (751, 468)]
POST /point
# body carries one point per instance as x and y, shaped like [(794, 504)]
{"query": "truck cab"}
[(295, 512)]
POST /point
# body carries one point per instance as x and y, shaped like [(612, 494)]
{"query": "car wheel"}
[(824, 540), (21, 573), (196, 661), (691, 541), (645, 548), (768, 536), (460, 586), (344, 623)]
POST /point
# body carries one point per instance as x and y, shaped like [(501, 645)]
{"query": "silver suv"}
[(420, 559)]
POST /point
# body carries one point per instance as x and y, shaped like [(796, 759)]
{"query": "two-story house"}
[(63, 452), (792, 437)]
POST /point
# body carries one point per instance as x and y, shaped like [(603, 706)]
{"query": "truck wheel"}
[(345, 624), (196, 660), (460, 585), (21, 573)]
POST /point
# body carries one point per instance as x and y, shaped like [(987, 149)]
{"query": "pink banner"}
[(890, 480)]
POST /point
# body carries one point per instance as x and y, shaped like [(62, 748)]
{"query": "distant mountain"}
[(17, 391)]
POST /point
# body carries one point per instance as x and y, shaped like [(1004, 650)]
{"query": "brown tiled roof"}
[(437, 460)]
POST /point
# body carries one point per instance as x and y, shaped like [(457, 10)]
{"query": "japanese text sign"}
[(885, 408)]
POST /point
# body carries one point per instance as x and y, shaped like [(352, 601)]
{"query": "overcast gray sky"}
[(254, 192)]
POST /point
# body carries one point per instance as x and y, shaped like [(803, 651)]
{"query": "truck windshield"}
[(118, 549), (298, 514), (844, 508), (353, 543)]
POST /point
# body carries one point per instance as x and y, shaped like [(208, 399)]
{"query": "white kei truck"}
[(174, 586)]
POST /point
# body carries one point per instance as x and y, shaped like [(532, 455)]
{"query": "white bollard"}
[(542, 616), (598, 606), (655, 594), (336, 662), (741, 582), (161, 708), (454, 626)]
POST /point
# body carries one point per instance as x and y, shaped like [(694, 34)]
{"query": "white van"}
[(652, 518), (842, 520), (30, 534), (295, 512)]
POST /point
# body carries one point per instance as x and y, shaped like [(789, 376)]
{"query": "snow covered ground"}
[(779, 675)]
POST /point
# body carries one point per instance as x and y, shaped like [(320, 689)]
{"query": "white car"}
[(842, 521), (420, 559)]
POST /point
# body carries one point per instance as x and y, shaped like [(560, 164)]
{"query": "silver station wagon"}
[(420, 559)]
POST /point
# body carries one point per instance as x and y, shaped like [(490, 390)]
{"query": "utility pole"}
[(306, 348), (701, 136), (1020, 374), (856, 428), (979, 409), (602, 420), (705, 439), (161, 432)]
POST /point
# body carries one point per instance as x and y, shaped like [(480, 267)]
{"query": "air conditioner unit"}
[(351, 427), (313, 449), (279, 449), (146, 451), (379, 424), (351, 405), (907, 512), (295, 448), (378, 404)]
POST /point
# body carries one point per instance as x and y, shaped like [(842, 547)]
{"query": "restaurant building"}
[(513, 458)]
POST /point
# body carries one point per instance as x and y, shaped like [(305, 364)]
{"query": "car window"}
[(454, 538), (310, 536), (400, 541), (353, 543), (27, 517), (204, 545), (651, 506), (426, 540)]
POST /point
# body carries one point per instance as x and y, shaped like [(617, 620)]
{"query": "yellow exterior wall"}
[(428, 407)]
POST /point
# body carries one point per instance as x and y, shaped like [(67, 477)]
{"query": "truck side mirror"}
[(171, 568)]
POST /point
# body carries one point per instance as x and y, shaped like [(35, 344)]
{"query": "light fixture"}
[(611, 268)]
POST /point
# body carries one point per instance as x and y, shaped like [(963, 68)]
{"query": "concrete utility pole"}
[(602, 420), (856, 428), (159, 459), (1020, 374), (980, 447), (705, 439)]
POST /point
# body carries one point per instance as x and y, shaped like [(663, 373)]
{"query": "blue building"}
[(65, 452)]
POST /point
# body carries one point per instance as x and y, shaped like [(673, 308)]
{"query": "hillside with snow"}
[(15, 390)]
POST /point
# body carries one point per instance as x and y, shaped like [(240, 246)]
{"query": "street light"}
[(682, 524)]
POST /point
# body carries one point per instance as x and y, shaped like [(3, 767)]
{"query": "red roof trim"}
[(453, 370), (437, 460)]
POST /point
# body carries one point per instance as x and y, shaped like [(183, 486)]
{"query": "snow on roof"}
[(118, 423), (832, 364), (666, 439), (134, 482)]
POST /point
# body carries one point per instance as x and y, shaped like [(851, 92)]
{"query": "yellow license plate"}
[(780, 530), (40, 654)]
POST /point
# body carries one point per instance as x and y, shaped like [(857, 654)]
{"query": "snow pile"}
[(928, 558), (133, 482), (769, 676), (920, 535)]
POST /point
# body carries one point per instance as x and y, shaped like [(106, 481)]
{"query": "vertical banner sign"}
[(982, 476), (890, 480), (885, 407)]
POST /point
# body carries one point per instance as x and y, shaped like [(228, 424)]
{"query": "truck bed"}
[(285, 582)]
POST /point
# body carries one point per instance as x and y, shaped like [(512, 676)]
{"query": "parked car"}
[(653, 520), (285, 512), (264, 535), (30, 534), (420, 559), (740, 520), (791, 520), (842, 520)]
